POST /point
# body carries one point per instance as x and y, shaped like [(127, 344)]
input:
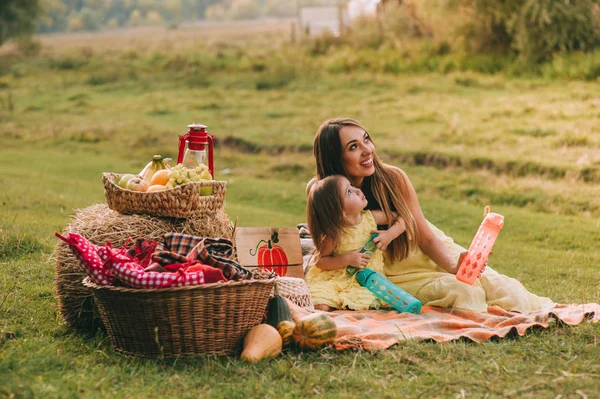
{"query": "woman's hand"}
[(460, 259), (383, 239), (357, 259)]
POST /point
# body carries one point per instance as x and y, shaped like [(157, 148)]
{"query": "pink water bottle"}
[(476, 257)]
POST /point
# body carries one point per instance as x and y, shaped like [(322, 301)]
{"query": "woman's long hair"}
[(384, 184), (325, 211)]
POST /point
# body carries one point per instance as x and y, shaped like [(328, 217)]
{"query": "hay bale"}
[(100, 224)]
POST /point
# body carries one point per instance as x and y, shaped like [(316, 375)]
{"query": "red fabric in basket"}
[(131, 273), (94, 262), (211, 274), (105, 264), (142, 250), (215, 252)]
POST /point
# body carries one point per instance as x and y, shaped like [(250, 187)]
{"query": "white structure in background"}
[(356, 8), (315, 20), (332, 15)]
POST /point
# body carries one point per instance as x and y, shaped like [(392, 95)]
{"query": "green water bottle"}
[(383, 288)]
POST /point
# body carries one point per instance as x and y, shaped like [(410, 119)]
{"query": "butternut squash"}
[(314, 331), (262, 341)]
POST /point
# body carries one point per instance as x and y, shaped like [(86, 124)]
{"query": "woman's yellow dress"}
[(421, 277), (337, 288)]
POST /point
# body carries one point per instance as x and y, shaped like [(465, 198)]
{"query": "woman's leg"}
[(510, 294), (447, 292)]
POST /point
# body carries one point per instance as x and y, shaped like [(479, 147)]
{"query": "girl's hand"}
[(357, 259)]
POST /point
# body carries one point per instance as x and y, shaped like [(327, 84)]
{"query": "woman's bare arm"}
[(386, 236), (429, 243)]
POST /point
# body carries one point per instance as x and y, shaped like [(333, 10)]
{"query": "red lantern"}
[(270, 256)]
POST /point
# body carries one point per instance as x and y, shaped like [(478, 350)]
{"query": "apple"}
[(124, 180), (137, 184), (206, 190)]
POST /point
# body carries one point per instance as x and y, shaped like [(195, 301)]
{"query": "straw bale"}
[(100, 224)]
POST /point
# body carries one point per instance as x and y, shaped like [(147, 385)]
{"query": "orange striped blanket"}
[(380, 329)]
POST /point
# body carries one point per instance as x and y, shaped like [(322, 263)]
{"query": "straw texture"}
[(181, 202), (204, 320)]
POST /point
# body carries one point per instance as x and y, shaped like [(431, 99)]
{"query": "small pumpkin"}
[(262, 341), (314, 331), (278, 310), (286, 329)]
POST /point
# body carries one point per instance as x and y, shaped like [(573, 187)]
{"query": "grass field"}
[(528, 147)]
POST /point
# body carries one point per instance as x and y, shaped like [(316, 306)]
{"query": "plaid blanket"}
[(380, 329), (215, 252)]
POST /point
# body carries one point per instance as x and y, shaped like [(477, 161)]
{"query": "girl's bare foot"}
[(324, 308)]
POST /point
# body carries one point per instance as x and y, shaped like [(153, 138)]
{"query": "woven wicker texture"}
[(204, 320), (296, 290), (180, 202), (99, 224)]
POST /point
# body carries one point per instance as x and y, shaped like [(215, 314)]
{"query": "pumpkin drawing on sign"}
[(270, 256)]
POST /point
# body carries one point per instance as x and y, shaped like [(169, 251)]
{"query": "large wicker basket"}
[(203, 320), (180, 202)]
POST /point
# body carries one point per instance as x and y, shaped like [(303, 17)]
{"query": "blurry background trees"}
[(498, 32), (89, 15), (17, 18)]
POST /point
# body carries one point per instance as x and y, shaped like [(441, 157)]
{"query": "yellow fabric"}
[(433, 286), (338, 289)]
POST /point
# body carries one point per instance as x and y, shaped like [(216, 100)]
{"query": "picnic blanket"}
[(380, 329)]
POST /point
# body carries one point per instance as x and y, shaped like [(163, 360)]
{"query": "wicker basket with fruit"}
[(179, 193)]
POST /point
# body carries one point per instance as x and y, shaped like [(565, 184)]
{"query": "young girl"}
[(340, 226)]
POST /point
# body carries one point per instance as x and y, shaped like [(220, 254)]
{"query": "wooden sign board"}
[(276, 249)]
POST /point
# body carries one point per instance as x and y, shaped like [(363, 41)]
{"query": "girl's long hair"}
[(325, 212), (385, 184)]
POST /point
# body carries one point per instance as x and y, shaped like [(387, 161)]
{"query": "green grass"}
[(528, 147)]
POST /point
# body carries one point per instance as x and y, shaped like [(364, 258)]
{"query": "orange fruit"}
[(155, 187), (160, 177)]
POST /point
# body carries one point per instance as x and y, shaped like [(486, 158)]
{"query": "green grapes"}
[(180, 175)]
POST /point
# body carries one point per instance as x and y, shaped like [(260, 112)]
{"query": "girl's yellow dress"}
[(337, 288), (421, 277)]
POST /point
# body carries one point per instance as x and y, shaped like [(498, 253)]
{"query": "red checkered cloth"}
[(92, 258), (215, 252), (105, 264), (131, 273)]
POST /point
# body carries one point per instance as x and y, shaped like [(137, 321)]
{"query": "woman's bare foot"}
[(324, 308)]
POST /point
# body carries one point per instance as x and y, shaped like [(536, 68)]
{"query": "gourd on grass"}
[(278, 310), (262, 341), (286, 329), (314, 331)]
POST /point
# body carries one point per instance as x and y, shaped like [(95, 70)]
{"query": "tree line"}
[(45, 16)]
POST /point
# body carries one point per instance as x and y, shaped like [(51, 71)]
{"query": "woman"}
[(423, 261)]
